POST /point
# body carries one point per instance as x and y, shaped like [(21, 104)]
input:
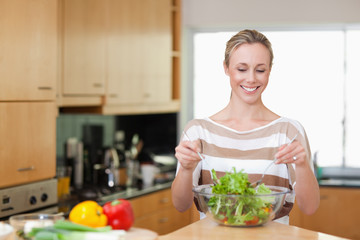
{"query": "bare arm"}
[(181, 188), (307, 187)]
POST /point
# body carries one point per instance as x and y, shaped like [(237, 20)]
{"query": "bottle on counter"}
[(119, 145)]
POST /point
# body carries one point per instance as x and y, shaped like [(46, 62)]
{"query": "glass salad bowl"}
[(240, 210), (23, 223)]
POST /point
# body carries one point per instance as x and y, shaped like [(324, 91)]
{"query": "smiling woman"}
[(308, 82)]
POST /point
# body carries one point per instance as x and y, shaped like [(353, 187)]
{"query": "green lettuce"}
[(239, 210)]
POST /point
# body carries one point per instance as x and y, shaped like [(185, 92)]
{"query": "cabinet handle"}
[(97, 85), (163, 220), (164, 200), (113, 95), (44, 88), (324, 197), (26, 169)]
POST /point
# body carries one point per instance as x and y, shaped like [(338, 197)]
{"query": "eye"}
[(241, 69), (260, 71)]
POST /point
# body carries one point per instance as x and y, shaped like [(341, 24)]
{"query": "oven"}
[(33, 197)]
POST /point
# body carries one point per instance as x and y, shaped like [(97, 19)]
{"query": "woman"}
[(246, 134)]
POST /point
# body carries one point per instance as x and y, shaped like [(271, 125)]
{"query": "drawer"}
[(164, 221), (151, 203)]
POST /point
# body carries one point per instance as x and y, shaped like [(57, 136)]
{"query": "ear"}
[(226, 69)]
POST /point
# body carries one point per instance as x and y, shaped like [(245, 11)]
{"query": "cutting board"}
[(140, 234)]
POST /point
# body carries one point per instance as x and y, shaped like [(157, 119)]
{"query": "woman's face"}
[(249, 70)]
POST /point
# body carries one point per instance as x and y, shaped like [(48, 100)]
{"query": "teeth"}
[(249, 89)]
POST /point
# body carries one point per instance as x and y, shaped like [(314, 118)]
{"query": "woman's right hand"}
[(187, 154)]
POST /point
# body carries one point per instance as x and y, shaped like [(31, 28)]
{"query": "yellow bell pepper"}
[(88, 213)]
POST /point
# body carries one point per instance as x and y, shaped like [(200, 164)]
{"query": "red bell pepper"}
[(119, 213)]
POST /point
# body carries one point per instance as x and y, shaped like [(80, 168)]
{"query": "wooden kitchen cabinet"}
[(28, 49), (156, 212), (27, 142), (143, 57), (338, 213), (129, 44), (139, 52), (84, 34)]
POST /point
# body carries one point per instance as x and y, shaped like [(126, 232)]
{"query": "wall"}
[(71, 125)]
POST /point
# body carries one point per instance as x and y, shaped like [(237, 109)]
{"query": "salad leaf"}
[(243, 207)]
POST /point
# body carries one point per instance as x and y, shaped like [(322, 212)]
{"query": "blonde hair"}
[(247, 36)]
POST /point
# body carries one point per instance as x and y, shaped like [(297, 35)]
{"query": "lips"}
[(249, 89)]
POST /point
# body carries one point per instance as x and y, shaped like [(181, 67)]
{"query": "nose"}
[(251, 78)]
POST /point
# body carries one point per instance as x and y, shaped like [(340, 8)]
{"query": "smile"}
[(249, 89)]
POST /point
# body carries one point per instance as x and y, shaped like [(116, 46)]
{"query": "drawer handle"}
[(324, 197), (45, 88), (97, 85), (26, 169), (163, 220), (164, 200)]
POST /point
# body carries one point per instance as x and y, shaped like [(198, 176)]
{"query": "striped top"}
[(251, 151)]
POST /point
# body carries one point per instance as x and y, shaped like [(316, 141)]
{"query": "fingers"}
[(187, 154), (292, 153)]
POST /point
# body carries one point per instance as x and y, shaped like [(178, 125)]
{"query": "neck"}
[(242, 111)]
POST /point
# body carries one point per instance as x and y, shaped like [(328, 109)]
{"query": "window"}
[(314, 80)]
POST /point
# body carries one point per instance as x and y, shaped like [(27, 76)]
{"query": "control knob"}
[(32, 200)]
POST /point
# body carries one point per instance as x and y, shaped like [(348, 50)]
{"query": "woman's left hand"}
[(291, 153)]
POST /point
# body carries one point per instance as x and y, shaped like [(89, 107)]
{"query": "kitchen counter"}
[(134, 192), (347, 183), (65, 205), (209, 230)]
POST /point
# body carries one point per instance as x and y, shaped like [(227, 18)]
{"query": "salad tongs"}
[(257, 183), (202, 159)]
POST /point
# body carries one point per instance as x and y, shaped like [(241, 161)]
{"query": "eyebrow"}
[(258, 65)]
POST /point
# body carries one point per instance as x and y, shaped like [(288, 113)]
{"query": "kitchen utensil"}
[(240, 210), (257, 183), (112, 164), (132, 161), (202, 158)]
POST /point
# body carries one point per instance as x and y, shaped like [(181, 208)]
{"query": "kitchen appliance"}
[(74, 159), (107, 173), (35, 196), (93, 150)]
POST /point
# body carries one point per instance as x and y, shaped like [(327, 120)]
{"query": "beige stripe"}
[(279, 127), (285, 210), (215, 151)]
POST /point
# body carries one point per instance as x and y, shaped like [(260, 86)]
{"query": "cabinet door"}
[(157, 48), (139, 52), (84, 47), (337, 215), (124, 84), (156, 212), (27, 142), (28, 49), (164, 221)]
